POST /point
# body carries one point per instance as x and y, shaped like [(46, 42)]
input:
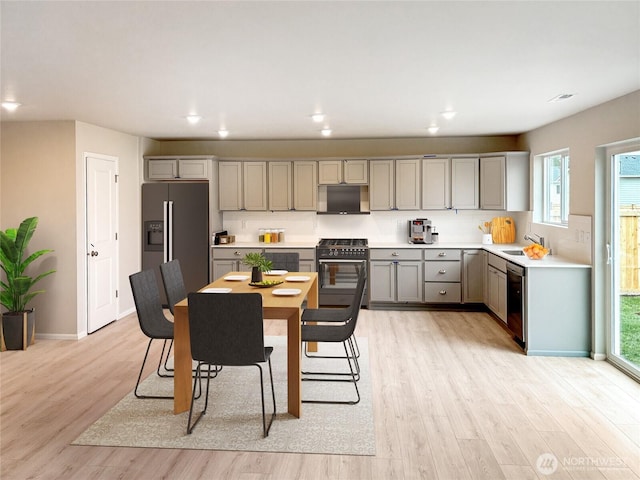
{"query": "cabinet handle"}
[(395, 254), (442, 271), (442, 254), (443, 292), (236, 252)]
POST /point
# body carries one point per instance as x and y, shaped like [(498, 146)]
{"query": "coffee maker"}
[(420, 231)]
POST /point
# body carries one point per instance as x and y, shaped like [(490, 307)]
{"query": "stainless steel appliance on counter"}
[(339, 263), (175, 224), (420, 231)]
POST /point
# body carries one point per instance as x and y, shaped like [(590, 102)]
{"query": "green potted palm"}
[(258, 264), (17, 325)]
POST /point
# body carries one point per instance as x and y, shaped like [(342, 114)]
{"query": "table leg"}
[(181, 360), (294, 376), (313, 302)]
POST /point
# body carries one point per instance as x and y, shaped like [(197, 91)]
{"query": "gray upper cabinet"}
[(255, 185), (408, 181), (305, 181), (242, 185), (382, 185), (178, 168), (465, 191), (230, 185), (280, 186), (333, 172), (504, 182), (436, 184)]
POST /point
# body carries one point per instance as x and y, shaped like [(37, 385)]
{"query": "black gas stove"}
[(343, 248)]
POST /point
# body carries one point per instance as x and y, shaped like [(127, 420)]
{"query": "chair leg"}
[(265, 427), (308, 355), (351, 357), (135, 391), (196, 381), (353, 374)]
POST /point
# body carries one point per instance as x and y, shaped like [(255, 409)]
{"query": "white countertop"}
[(550, 261), (553, 261)]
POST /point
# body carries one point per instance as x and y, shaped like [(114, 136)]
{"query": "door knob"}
[(94, 253)]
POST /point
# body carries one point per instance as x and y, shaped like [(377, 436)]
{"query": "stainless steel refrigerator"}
[(175, 224)]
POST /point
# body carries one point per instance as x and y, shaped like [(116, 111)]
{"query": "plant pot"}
[(256, 275), (17, 330)]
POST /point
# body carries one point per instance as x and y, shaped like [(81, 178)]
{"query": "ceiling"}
[(260, 69)]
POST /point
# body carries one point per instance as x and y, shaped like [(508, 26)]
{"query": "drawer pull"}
[(236, 253), (442, 271), (442, 254), (395, 254), (443, 292)]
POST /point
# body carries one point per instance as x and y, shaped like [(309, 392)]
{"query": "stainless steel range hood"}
[(343, 200)]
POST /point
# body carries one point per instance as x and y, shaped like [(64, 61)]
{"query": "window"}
[(555, 206)]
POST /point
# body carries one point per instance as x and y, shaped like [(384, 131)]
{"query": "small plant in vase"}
[(258, 264)]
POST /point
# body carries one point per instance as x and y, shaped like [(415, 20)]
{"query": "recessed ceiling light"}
[(433, 129), (561, 97), (326, 132), (193, 119), (317, 117), (448, 114), (223, 133), (11, 106)]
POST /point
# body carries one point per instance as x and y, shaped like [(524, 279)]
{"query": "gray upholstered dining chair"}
[(289, 261), (153, 323), (337, 315), (342, 332), (227, 330)]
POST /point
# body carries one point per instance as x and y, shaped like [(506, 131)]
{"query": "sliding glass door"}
[(624, 259)]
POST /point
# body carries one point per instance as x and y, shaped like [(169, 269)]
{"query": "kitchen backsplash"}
[(379, 227)]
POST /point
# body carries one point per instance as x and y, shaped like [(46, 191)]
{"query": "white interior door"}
[(102, 240)]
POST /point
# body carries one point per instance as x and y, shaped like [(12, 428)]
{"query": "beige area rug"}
[(234, 420)]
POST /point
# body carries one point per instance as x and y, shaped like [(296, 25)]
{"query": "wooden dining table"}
[(285, 307)]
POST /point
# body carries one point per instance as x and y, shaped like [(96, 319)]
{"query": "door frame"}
[(611, 291), (82, 286)]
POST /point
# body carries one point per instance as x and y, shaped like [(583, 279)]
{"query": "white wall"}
[(378, 227), (43, 176), (584, 134), (98, 140)]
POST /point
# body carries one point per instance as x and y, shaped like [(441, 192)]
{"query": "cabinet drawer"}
[(438, 271), (395, 254), (233, 253), (442, 254), (498, 262), (436, 292)]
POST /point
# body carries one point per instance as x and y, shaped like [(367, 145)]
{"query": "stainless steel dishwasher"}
[(515, 302)]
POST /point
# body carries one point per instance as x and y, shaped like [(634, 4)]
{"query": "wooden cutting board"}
[(503, 230)]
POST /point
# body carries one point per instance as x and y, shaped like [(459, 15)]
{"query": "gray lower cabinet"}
[(225, 260), (473, 273), (557, 316), (395, 275), (496, 283), (442, 269)]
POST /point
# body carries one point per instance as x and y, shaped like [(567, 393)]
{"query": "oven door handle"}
[(341, 260)]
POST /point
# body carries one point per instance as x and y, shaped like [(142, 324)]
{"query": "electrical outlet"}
[(244, 224)]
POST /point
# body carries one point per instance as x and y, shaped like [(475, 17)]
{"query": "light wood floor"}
[(453, 399)]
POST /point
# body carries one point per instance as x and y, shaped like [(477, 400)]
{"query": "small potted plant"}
[(17, 325), (258, 264)]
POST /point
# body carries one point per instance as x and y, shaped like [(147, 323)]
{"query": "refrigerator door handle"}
[(165, 232), (170, 235)]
